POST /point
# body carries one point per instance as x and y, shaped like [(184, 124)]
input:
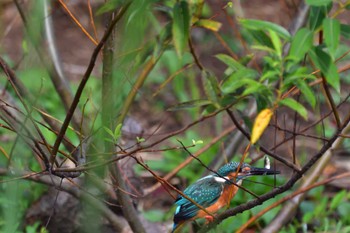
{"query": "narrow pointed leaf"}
[(261, 37), (254, 87), (181, 26), (238, 79), (189, 104), (265, 25), (331, 28), (293, 104), (316, 16), (209, 24), (276, 42), (271, 75), (118, 131), (318, 2), (345, 30), (307, 92), (211, 87), (301, 44), (108, 6), (110, 132), (263, 48), (230, 62), (324, 62), (337, 199)]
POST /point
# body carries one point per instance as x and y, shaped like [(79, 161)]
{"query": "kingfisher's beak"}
[(256, 171)]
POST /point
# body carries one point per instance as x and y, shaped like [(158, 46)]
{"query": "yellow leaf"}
[(260, 124), (209, 24)]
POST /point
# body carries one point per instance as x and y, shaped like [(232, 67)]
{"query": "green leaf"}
[(345, 30), (262, 102), (321, 208), (263, 48), (139, 140), (197, 142), (293, 78), (324, 62), (316, 16), (301, 44), (230, 62), (238, 79), (337, 199), (109, 140), (110, 132), (344, 209), (265, 25), (254, 87), (318, 2), (246, 59), (331, 28), (261, 37), (34, 23), (276, 42), (189, 104), (211, 87), (293, 104), (228, 100), (25, 46), (307, 92), (297, 74), (118, 131), (308, 217), (108, 6), (181, 26), (209, 24), (271, 75)]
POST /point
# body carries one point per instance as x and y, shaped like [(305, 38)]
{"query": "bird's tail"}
[(177, 226), (174, 228)]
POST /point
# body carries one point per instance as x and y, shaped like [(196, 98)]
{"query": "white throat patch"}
[(220, 179)]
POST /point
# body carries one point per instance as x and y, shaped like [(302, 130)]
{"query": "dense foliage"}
[(171, 89)]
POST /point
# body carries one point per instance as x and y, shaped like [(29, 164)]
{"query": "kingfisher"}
[(213, 192)]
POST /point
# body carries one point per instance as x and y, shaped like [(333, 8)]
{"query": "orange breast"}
[(224, 200)]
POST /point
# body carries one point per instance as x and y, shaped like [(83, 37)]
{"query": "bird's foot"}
[(209, 219)]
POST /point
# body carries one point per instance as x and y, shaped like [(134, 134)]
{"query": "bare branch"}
[(84, 81)]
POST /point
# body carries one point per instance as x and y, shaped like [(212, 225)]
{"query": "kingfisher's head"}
[(244, 170)]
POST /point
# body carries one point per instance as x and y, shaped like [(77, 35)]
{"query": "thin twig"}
[(76, 21), (216, 173), (190, 159), (57, 76), (331, 101), (333, 142), (247, 135), (84, 81), (10, 77), (162, 181), (92, 21), (176, 132), (289, 197), (194, 55), (117, 222), (300, 132)]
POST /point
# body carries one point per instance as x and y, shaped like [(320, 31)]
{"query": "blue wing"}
[(205, 192)]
